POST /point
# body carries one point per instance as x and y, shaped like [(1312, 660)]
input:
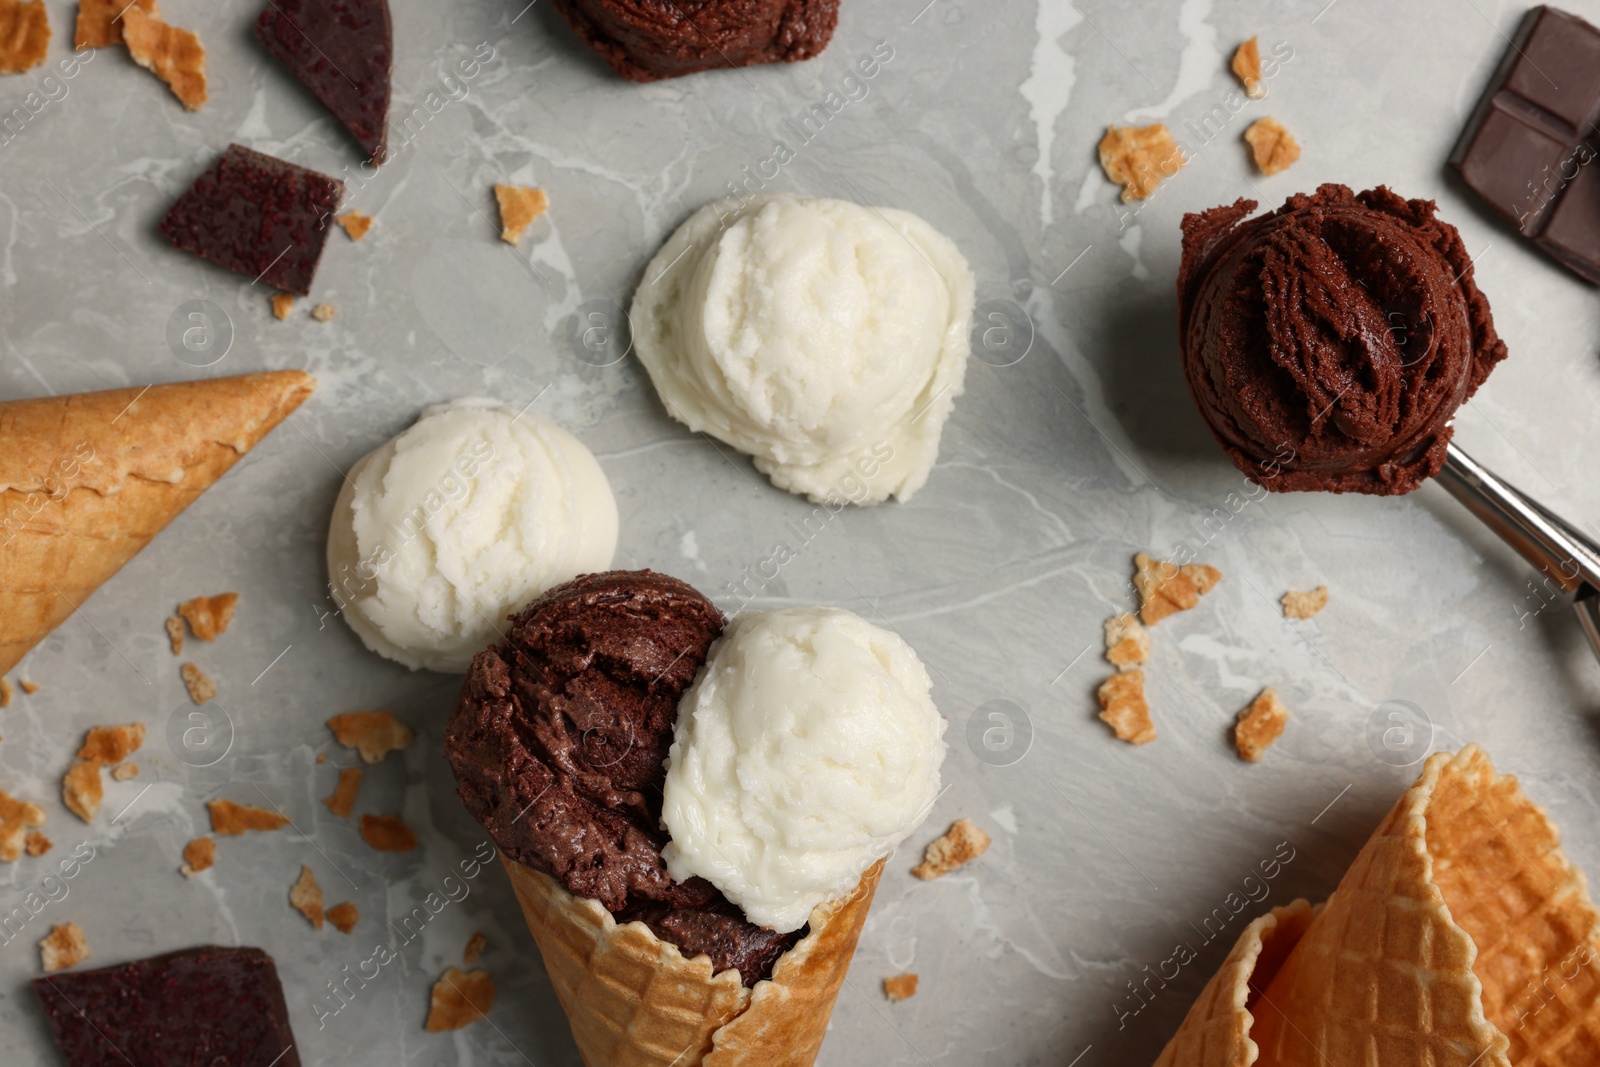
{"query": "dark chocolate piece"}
[(204, 1005), (259, 216), (1529, 146), (343, 51)]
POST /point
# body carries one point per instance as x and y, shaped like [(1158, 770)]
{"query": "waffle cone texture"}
[(87, 480), (1460, 937), (633, 1000)]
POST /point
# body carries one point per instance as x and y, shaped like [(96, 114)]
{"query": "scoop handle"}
[(1563, 554)]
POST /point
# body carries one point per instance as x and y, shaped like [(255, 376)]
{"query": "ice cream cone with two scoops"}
[(694, 858), (1460, 937), (87, 480)]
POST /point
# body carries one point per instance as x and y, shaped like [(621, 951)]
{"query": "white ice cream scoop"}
[(826, 340), (806, 750), (442, 532)]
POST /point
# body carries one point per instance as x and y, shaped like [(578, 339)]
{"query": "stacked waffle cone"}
[(1460, 937), (87, 480), (633, 1000)]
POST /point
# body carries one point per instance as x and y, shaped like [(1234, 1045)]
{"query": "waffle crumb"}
[(344, 916), (900, 987), (305, 896), (24, 35), (475, 946), (112, 744), (82, 790), (64, 946), (282, 304), (964, 842), (323, 312), (387, 833), (1127, 642), (1304, 605), (28, 687), (36, 844), (1166, 588), (1124, 708), (208, 616), (519, 206), (175, 634), (124, 771), (199, 855), (16, 817), (460, 998), (230, 819), (1272, 146), (200, 686), (373, 734), (1260, 725), (175, 56), (100, 21), (1247, 68), (355, 224), (1139, 158), (343, 800)]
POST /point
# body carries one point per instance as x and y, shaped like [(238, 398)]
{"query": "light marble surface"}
[(1055, 470)]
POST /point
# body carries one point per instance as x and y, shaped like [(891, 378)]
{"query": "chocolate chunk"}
[(201, 1005), (1528, 147), (343, 51), (259, 216)]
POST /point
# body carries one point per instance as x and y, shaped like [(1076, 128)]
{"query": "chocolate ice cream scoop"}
[(1328, 344), (649, 39), (558, 743)]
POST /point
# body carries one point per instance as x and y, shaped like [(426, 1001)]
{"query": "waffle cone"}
[(1216, 1032), (633, 1000), (87, 480), (1460, 937)]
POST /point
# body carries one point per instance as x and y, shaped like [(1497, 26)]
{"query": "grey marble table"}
[(1056, 467)]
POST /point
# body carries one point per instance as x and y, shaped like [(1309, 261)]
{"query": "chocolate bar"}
[(210, 1005), (1530, 147)]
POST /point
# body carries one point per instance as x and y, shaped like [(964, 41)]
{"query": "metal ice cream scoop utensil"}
[(1569, 559)]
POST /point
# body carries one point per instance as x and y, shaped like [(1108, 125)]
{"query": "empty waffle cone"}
[(1216, 1032), (87, 480), (1460, 937), (633, 1000)]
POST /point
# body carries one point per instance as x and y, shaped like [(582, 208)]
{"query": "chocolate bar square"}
[(1531, 143), (1559, 69), (1575, 221), (205, 1005), (1507, 150)]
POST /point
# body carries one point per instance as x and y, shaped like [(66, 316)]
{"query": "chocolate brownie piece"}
[(204, 1005), (343, 51), (259, 216)]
